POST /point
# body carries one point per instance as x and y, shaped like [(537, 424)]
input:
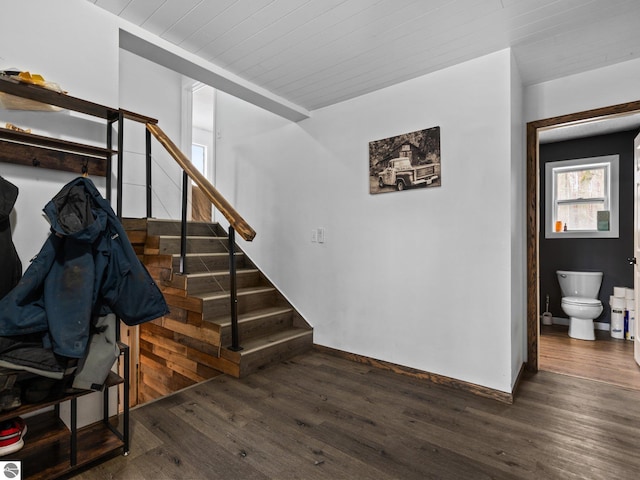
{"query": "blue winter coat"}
[(86, 268)]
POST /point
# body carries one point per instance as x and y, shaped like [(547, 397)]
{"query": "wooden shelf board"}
[(112, 380), (50, 97), (50, 459), (54, 143)]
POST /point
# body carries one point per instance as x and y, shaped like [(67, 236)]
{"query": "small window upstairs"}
[(582, 198)]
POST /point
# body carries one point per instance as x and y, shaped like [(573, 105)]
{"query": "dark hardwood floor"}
[(322, 417), (607, 359)]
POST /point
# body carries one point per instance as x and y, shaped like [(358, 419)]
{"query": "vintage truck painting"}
[(404, 162), (402, 174)]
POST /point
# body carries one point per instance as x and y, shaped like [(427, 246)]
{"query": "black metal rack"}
[(51, 449)]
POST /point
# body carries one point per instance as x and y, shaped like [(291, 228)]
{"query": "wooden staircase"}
[(190, 344)]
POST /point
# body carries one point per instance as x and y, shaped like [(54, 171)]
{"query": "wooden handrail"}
[(234, 218)]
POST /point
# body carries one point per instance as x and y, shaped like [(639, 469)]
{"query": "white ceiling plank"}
[(580, 17), (267, 22), (167, 15), (393, 45), (114, 6), (294, 44), (258, 44), (411, 56), (138, 11), (413, 61), (237, 13), (581, 52), (342, 42), (195, 19)]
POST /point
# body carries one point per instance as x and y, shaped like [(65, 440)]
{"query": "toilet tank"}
[(579, 284)]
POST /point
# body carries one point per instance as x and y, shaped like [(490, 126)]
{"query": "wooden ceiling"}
[(316, 53)]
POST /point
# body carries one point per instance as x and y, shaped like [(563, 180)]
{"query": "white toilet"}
[(580, 301)]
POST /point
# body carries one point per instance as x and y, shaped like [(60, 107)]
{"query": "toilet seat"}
[(581, 301)]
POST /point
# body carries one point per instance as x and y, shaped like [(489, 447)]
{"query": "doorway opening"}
[(200, 118), (594, 120)]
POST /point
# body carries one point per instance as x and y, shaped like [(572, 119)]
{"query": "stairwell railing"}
[(236, 222)]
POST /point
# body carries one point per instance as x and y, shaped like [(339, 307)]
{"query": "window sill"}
[(583, 234)]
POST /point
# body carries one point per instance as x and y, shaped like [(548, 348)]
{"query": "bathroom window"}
[(582, 198)]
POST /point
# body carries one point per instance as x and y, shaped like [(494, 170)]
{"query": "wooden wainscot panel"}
[(152, 245), (188, 303), (178, 314), (136, 237), (201, 333)]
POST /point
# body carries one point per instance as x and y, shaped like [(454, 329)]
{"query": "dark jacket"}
[(11, 270), (86, 268)]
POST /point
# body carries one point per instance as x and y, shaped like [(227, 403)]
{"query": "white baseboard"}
[(597, 325)]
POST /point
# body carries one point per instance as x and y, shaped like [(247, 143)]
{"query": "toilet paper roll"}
[(629, 293), (619, 303), (620, 292), (630, 304)]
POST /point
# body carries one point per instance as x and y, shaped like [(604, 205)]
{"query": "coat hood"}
[(73, 213)]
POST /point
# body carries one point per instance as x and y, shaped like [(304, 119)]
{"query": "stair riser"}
[(217, 283), (216, 263), (275, 354), (171, 246), (219, 307), (158, 228), (258, 327)]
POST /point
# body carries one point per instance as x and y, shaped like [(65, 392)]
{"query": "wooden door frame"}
[(533, 216)]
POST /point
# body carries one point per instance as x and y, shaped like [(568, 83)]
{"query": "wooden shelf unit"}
[(52, 450), (39, 151), (52, 153), (13, 86)]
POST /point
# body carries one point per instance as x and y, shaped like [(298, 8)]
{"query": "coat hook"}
[(85, 169), (35, 162)]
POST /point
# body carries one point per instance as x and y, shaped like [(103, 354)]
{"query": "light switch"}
[(320, 235)]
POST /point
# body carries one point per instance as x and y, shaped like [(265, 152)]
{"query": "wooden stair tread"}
[(241, 292), (250, 316), (194, 237), (239, 271), (207, 254)]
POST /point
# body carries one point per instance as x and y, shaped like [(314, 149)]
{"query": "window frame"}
[(612, 165)]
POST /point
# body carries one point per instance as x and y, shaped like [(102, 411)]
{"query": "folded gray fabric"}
[(102, 353)]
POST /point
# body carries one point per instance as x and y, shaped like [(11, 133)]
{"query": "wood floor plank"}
[(606, 359), (319, 416)]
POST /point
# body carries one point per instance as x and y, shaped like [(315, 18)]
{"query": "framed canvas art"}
[(407, 161)]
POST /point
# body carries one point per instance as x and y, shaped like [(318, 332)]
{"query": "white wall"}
[(518, 226), (84, 58), (86, 69), (594, 89), (420, 278), (153, 91)]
